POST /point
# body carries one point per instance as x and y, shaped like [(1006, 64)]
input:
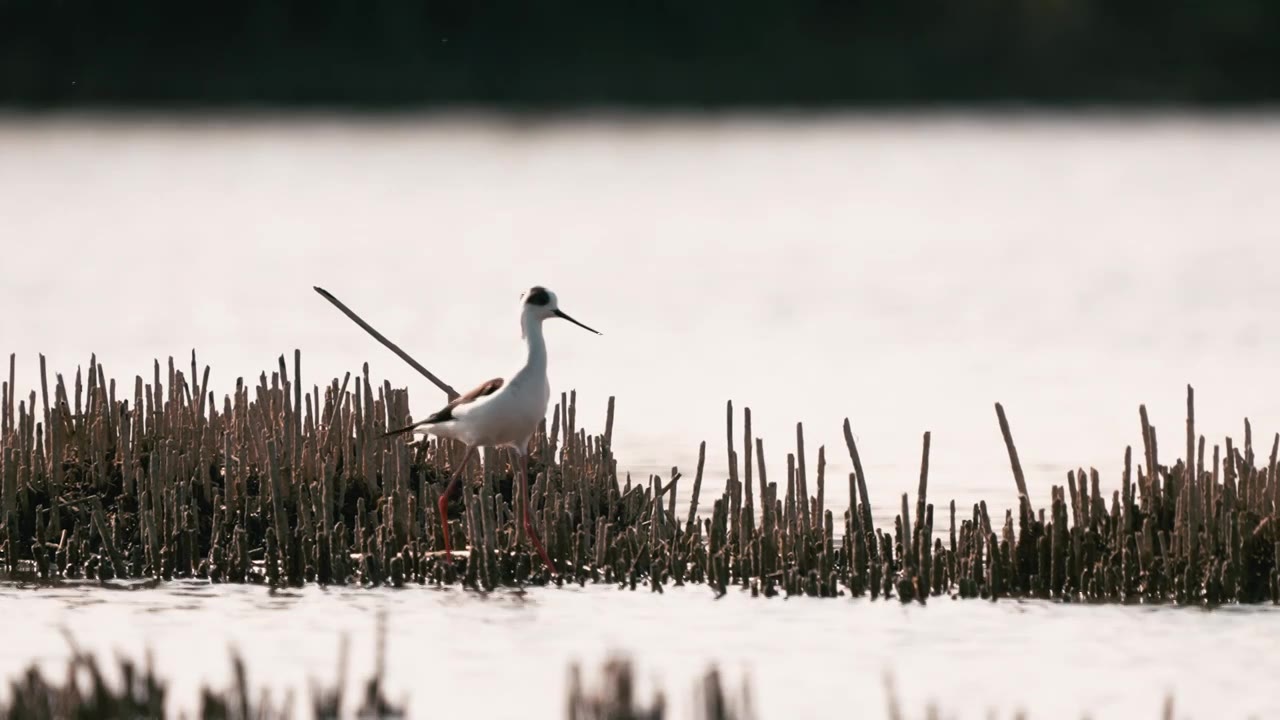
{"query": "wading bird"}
[(502, 413)]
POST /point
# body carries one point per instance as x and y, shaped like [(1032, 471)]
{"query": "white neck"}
[(531, 328)]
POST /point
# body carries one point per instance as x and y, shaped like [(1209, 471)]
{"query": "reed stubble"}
[(282, 484)]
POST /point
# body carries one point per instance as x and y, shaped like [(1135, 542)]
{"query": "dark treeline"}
[(566, 53)]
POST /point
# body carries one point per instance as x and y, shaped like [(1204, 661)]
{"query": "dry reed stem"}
[(444, 387), (1014, 462)]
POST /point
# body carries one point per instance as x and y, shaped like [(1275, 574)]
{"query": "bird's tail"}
[(407, 428)]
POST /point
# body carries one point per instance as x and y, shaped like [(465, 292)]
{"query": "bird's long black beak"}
[(562, 314)]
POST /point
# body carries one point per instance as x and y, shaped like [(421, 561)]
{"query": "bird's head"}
[(539, 303)]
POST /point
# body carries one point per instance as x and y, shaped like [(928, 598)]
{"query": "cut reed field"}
[(284, 485)]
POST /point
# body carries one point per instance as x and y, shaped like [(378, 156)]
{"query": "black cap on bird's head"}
[(538, 295), (543, 304)]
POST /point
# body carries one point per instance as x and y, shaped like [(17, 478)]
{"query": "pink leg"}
[(443, 503), (528, 524)]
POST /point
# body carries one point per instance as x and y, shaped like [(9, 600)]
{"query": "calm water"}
[(804, 657), (903, 272)]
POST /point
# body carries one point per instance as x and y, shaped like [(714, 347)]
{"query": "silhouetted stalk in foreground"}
[(141, 693)]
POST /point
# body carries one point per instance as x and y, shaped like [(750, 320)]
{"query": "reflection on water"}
[(507, 654)]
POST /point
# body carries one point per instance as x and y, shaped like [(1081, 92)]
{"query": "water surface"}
[(507, 654), (904, 272)]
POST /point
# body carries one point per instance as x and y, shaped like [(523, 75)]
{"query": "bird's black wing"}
[(445, 413)]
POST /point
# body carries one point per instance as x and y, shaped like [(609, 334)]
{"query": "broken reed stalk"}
[(282, 486), (444, 387), (1018, 478)]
